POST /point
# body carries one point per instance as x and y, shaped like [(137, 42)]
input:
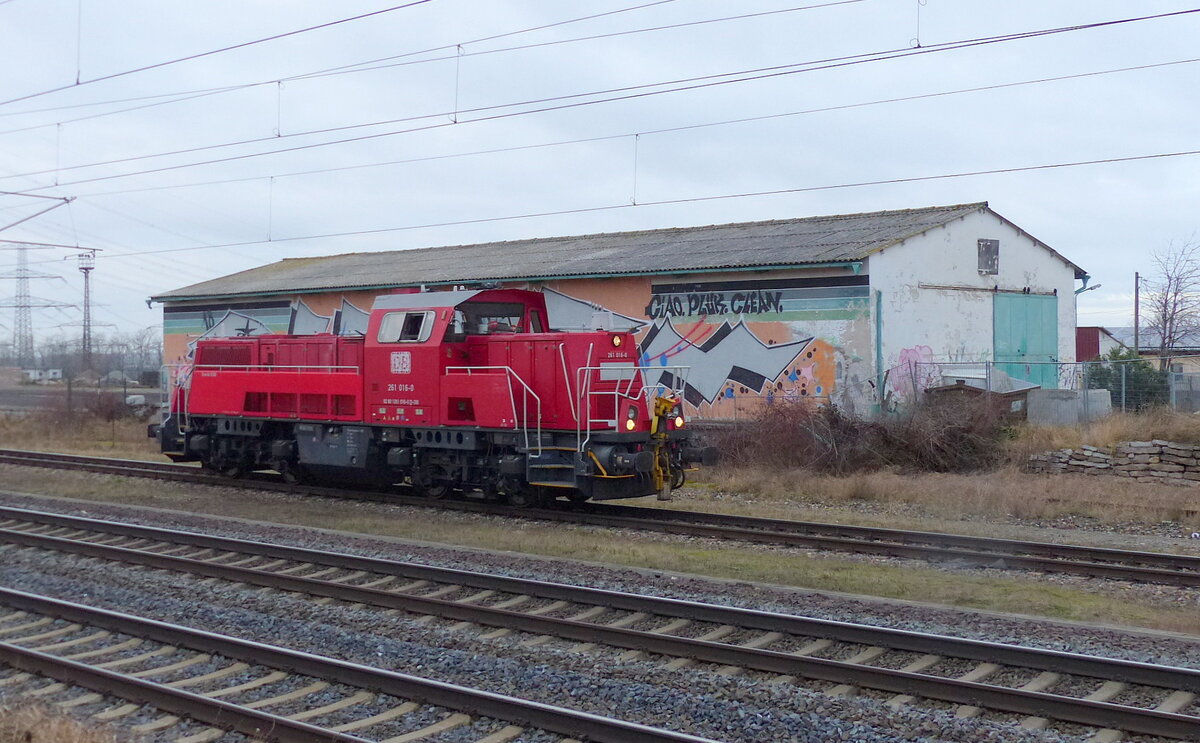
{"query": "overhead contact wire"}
[(211, 52), (712, 81), (642, 204)]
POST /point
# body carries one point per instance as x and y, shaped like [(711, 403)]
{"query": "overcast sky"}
[(157, 229)]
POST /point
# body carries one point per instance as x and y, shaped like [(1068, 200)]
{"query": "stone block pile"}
[(1144, 461)]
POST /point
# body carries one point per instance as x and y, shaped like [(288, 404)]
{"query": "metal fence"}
[(1099, 386)]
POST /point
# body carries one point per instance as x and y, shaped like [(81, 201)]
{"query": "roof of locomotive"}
[(770, 244), (422, 300), (437, 300)]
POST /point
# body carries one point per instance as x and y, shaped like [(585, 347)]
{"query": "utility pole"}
[(1137, 293)]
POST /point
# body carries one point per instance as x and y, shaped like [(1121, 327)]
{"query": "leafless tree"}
[(1173, 298)]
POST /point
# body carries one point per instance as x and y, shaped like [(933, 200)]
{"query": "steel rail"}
[(974, 557), (1046, 705), (428, 691), (1098, 562), (256, 724), (1015, 655), (999, 545)]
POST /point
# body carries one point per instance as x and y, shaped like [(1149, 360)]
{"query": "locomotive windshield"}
[(485, 318)]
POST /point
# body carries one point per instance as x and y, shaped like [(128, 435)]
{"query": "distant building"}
[(42, 375), (1094, 342), (858, 309), (1185, 354)]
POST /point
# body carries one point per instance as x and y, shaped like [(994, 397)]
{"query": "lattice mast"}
[(23, 325), (87, 263), (23, 303)]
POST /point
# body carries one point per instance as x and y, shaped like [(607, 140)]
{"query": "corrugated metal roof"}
[(1149, 339), (776, 243)]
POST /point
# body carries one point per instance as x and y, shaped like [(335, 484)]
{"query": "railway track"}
[(1113, 695), (266, 692), (966, 551)]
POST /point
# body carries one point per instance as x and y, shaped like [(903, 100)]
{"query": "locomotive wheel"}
[(526, 497), (232, 471), (431, 483), (293, 474)]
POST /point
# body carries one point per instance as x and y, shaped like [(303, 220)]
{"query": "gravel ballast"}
[(695, 700)]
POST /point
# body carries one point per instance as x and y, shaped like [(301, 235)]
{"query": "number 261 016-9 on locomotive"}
[(451, 392)]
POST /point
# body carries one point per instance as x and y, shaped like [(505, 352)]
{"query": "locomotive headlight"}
[(679, 421), (616, 341), (631, 418)]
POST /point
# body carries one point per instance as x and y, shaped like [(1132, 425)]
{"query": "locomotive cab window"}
[(486, 318), (405, 327)]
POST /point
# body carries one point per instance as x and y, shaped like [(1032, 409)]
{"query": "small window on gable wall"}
[(989, 257), (405, 327)]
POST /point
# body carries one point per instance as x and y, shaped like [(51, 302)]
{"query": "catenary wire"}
[(211, 52), (661, 202), (205, 93), (348, 69), (787, 69), (557, 42), (646, 132), (708, 81)]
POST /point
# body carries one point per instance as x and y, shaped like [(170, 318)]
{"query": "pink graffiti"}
[(915, 369)]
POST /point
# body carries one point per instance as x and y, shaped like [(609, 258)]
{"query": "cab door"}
[(403, 367)]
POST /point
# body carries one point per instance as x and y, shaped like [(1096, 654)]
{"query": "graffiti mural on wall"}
[(748, 339), (570, 313), (717, 357), (916, 369), (191, 324)]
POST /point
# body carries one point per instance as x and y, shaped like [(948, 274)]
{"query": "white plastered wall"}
[(955, 324)]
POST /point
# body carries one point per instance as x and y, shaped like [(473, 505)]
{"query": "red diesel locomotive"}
[(448, 391)]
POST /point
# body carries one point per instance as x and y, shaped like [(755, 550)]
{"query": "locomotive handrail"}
[(562, 356), (584, 376), (180, 382), (511, 375), (272, 367)]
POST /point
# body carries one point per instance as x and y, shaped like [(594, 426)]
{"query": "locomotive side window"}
[(485, 318), (405, 327)]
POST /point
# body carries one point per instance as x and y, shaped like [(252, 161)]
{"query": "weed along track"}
[(1041, 687), (961, 550), (202, 685)]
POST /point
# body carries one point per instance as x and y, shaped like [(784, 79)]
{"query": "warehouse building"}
[(839, 308)]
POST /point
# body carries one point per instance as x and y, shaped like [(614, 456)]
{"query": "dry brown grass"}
[(1002, 493), (27, 723), (1155, 423), (125, 438)]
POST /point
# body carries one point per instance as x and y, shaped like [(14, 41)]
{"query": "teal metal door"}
[(1025, 328)]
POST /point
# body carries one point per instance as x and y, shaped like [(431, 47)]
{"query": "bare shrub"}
[(941, 436)]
